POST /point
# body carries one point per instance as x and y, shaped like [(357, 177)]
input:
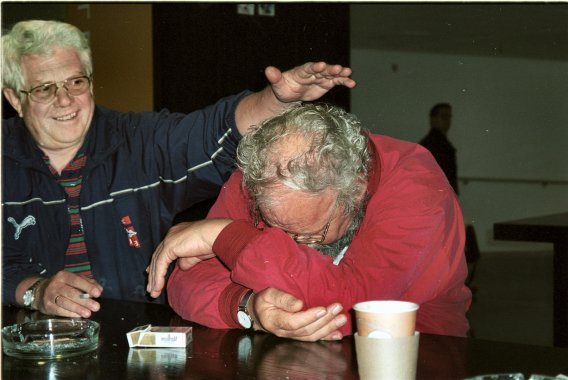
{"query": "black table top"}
[(236, 354), (546, 228), (552, 220)]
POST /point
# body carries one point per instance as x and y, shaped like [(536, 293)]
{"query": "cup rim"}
[(386, 306), (416, 333)]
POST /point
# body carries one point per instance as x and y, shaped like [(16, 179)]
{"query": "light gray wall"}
[(510, 121)]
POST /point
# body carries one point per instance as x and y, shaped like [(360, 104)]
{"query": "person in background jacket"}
[(436, 141), (320, 215), (88, 192)]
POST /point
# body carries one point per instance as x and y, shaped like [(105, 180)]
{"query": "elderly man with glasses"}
[(87, 192), (320, 215)]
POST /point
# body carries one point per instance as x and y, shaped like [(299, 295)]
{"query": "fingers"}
[(327, 71), (314, 324), (95, 290), (323, 68), (309, 70), (157, 271), (281, 314), (162, 257), (74, 306), (308, 82)]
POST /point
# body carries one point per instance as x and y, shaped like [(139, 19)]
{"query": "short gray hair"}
[(335, 155), (39, 37)]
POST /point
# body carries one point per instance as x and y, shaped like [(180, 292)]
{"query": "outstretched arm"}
[(307, 82), (189, 243)]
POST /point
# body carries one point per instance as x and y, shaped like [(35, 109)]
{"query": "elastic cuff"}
[(229, 304)]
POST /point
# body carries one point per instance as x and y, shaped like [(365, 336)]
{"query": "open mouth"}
[(66, 117)]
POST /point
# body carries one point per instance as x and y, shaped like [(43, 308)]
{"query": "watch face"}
[(28, 297), (244, 319)]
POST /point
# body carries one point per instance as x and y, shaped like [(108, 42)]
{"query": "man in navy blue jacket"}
[(88, 193)]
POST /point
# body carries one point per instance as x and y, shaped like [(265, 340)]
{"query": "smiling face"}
[(58, 127)]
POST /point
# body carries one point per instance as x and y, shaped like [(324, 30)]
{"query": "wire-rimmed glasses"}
[(311, 239), (46, 92)]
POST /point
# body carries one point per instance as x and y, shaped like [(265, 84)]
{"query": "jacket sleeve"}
[(205, 294), (191, 154), (16, 266)]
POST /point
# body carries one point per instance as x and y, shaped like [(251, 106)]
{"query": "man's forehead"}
[(291, 208), (59, 62)]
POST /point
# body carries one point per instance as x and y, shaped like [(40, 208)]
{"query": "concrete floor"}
[(513, 297)]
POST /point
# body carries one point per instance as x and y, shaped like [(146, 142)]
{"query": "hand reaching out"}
[(189, 243), (307, 82)]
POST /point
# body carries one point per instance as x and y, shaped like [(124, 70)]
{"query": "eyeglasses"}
[(46, 92), (312, 239)]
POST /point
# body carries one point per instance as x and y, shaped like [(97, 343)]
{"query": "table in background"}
[(237, 354), (552, 229)]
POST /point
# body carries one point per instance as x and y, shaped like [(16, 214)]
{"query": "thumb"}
[(273, 74)]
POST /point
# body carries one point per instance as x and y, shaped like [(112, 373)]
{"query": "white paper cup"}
[(387, 359), (385, 319)]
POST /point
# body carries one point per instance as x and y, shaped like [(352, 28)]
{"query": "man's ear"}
[(363, 193), (14, 100)]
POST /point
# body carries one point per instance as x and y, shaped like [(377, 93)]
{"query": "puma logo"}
[(28, 221)]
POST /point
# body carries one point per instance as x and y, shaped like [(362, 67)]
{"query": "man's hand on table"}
[(281, 314), (63, 295)]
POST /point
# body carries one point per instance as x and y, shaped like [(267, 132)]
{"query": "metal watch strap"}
[(243, 315), (29, 294)]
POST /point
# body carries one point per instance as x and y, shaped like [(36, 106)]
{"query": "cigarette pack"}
[(160, 336)]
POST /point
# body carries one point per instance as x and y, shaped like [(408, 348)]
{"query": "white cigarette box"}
[(160, 336)]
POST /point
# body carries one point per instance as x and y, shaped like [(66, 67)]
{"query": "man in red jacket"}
[(320, 216)]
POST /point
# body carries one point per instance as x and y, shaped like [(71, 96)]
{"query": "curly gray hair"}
[(309, 147), (39, 37)]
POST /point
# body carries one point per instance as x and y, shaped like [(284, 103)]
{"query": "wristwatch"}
[(243, 315), (29, 295)]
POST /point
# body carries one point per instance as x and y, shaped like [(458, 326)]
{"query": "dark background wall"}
[(205, 51), (184, 56)]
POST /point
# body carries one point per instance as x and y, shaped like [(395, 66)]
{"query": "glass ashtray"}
[(50, 338)]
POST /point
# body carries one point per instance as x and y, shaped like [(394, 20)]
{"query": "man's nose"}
[(63, 97)]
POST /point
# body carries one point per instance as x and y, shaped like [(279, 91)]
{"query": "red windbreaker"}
[(410, 246)]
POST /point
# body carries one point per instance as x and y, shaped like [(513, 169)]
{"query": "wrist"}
[(279, 105), (32, 294), (211, 228), (244, 314)]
